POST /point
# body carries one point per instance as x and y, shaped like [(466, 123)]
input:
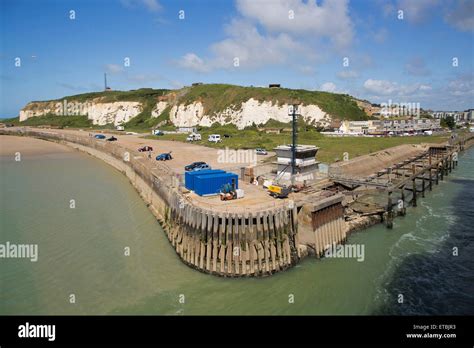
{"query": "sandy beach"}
[(26, 146)]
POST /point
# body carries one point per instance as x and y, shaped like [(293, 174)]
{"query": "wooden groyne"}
[(403, 182)]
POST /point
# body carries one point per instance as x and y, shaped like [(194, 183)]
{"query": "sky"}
[(417, 51)]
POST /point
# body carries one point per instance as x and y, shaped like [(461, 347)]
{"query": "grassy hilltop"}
[(214, 98), (217, 97)]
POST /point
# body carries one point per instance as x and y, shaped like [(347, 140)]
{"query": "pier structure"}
[(246, 237), (257, 236), (411, 176)]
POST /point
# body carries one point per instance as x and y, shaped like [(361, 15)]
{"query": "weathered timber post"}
[(423, 186), (430, 184), (413, 168), (413, 201), (404, 210), (389, 211), (431, 175)]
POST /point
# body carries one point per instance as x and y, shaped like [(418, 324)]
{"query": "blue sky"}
[(399, 50)]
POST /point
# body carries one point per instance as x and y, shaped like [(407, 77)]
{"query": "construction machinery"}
[(228, 191), (277, 190)]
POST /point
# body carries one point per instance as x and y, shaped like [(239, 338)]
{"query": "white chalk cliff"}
[(99, 113), (249, 112)]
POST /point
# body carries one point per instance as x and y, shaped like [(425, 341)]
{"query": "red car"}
[(145, 149)]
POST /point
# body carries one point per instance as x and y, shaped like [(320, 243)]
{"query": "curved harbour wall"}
[(233, 243)]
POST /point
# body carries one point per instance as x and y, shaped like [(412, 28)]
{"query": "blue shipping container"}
[(211, 184), (189, 176)]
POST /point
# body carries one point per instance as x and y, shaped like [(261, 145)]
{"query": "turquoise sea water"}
[(81, 252)]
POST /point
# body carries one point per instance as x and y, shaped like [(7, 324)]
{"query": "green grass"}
[(53, 120), (331, 148), (218, 97), (215, 98), (140, 95)]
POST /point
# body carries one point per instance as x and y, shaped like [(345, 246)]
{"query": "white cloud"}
[(328, 87), (193, 62), (389, 88), (330, 19), (264, 34), (254, 49), (425, 88), (462, 16), (380, 87), (247, 47), (463, 85)]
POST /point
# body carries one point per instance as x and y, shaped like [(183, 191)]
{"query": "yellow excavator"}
[(279, 191)]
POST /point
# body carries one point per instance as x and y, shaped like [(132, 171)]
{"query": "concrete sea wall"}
[(232, 243)]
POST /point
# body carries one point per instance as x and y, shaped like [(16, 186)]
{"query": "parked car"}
[(214, 138), (145, 148), (112, 138), (261, 151), (164, 157), (191, 166), (193, 137), (227, 136), (120, 128), (157, 132), (201, 167), (100, 136)]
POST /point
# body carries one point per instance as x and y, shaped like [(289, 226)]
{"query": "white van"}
[(214, 138), (120, 128), (193, 137)]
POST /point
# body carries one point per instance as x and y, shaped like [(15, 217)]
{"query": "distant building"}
[(458, 116), (197, 84), (468, 115), (187, 130), (274, 85), (396, 126)]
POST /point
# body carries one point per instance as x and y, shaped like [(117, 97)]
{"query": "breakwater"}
[(232, 243)]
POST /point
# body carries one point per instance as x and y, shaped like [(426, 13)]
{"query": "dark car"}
[(112, 138), (145, 148), (99, 136), (164, 157), (227, 136), (193, 165)]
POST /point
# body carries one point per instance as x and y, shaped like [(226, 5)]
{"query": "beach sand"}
[(26, 146)]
